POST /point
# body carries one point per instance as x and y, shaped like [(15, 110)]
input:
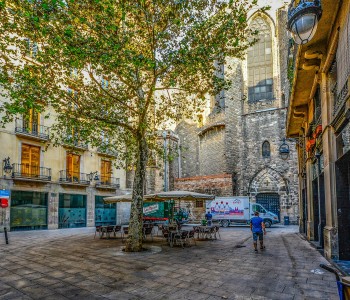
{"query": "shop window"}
[(266, 149), (72, 211), (28, 210), (105, 214), (73, 167)]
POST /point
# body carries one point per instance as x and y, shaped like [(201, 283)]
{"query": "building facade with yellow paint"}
[(318, 116), (54, 186)]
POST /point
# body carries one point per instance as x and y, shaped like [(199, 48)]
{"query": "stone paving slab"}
[(71, 264)]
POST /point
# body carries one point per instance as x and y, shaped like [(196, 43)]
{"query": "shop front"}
[(28, 210), (72, 211), (105, 214)]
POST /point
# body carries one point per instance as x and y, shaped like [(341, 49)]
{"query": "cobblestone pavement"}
[(71, 264)]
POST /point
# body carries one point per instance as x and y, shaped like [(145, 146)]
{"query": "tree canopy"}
[(116, 70)]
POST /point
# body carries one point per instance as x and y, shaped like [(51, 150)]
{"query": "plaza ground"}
[(71, 264)]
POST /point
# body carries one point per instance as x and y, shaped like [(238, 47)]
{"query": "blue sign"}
[(4, 193)]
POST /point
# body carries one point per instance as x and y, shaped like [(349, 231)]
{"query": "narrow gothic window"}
[(266, 149), (260, 80)]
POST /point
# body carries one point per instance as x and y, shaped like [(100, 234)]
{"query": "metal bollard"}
[(6, 237)]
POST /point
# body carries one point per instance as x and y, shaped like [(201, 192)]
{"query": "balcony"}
[(106, 152), (72, 142), (30, 172), (32, 130), (108, 183), (73, 178)]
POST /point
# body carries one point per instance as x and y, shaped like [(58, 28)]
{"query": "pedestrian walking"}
[(257, 226), (209, 217)]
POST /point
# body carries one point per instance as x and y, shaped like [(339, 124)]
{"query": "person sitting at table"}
[(209, 217)]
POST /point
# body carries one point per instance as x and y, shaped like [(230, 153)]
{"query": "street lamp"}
[(164, 134), (7, 166), (284, 150), (93, 175), (303, 17)]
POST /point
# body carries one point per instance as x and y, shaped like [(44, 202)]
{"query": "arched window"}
[(260, 82), (266, 149)]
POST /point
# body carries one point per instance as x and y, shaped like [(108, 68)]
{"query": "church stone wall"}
[(188, 143), (230, 142), (212, 153)]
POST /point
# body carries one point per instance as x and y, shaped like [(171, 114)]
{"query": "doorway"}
[(343, 205), (271, 201)]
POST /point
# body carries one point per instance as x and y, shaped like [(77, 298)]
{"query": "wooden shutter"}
[(73, 167), (106, 170), (30, 160)]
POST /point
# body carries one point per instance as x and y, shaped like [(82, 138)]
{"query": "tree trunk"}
[(134, 240)]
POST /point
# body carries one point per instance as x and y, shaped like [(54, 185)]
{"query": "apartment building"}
[(50, 187)]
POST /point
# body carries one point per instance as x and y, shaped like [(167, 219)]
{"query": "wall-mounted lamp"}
[(93, 176), (284, 150), (7, 166), (303, 17)]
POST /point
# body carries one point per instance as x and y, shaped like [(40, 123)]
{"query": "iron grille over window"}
[(260, 82), (266, 149)]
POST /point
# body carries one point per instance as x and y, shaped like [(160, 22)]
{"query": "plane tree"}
[(113, 71)]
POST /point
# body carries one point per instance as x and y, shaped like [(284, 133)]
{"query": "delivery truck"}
[(238, 210)]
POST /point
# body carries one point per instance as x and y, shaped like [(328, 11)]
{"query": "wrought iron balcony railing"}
[(108, 182), (67, 176), (32, 129), (75, 143), (107, 152), (32, 172)]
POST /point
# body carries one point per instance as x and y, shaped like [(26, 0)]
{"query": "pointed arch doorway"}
[(271, 201)]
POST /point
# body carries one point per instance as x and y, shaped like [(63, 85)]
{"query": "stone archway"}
[(269, 185), (268, 180)]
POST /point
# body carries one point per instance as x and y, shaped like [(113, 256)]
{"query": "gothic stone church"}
[(238, 147)]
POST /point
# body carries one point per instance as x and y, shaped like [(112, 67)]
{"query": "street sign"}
[(4, 198), (4, 202)]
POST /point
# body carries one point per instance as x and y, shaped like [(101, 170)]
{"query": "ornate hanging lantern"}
[(303, 17)]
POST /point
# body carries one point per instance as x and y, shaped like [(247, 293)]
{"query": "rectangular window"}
[(30, 160), (31, 48), (31, 121), (73, 167), (199, 203), (104, 83)]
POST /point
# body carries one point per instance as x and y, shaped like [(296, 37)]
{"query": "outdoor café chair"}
[(125, 230), (190, 238), (99, 230), (147, 230), (117, 228), (217, 233), (166, 235), (180, 238)]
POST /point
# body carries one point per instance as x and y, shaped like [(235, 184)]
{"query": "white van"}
[(238, 210)]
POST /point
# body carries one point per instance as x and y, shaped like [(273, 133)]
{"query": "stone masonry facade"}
[(223, 156)]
